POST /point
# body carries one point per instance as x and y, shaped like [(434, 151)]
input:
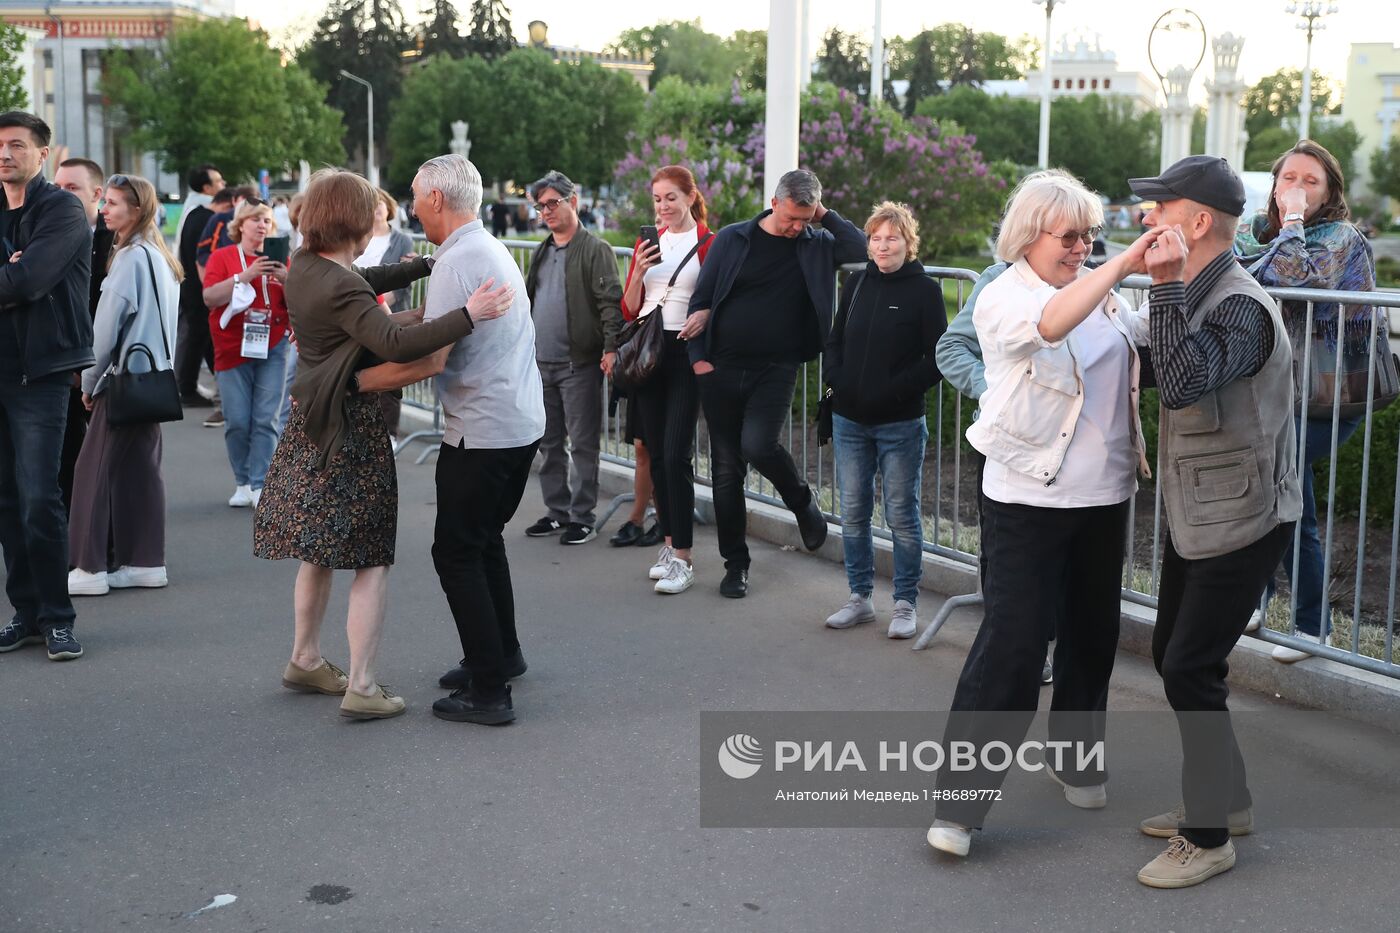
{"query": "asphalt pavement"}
[(168, 766)]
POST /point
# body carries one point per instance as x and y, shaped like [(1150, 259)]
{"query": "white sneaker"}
[(858, 609), (663, 562), (126, 577), (257, 497), (1286, 655), (680, 576), (904, 623), (953, 838), (1256, 619), (82, 583), (242, 497), (1089, 797)]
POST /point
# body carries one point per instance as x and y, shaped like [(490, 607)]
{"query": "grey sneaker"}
[(904, 623), (857, 610), (1167, 825)]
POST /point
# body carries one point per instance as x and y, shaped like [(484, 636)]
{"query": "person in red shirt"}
[(250, 329)]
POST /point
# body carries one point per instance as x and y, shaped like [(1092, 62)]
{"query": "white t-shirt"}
[(374, 252), (674, 247), (492, 395)]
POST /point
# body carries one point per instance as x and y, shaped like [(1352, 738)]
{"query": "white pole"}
[(1305, 107), (805, 59), (371, 170), (781, 113), (877, 59), (1043, 156)]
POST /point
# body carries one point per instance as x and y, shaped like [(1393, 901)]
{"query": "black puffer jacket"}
[(880, 355), (44, 296)]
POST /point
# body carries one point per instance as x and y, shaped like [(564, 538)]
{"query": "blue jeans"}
[(1316, 434), (252, 399), (897, 451)]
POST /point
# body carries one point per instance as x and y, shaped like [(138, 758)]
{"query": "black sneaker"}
[(194, 400), (17, 634), (735, 584), (463, 706), (544, 528), (652, 537), (627, 535), (460, 677), (62, 645), (811, 522), (578, 533)]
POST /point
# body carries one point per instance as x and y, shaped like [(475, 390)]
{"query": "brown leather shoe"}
[(327, 679), (379, 705)]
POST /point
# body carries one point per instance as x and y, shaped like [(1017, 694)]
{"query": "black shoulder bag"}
[(142, 398), (642, 341)]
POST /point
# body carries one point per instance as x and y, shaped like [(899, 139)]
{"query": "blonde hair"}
[(1043, 201), (144, 198), (245, 210), (338, 211), (901, 219)]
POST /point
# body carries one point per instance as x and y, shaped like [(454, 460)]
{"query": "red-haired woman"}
[(669, 402)]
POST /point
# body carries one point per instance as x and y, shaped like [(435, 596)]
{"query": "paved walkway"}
[(169, 766)]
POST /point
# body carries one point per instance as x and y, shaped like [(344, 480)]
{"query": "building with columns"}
[(1372, 102), (1081, 66), (67, 66), (1225, 132)]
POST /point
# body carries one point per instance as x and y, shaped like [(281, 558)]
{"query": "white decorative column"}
[(1224, 115), (780, 108), (1176, 116), (804, 61)]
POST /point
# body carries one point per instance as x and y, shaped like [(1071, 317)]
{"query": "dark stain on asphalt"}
[(751, 906), (329, 894)]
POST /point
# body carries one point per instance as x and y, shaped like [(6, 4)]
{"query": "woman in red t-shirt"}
[(249, 326)]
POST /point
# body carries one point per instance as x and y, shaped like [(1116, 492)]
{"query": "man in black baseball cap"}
[(1227, 447)]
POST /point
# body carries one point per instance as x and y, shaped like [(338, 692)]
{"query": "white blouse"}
[(674, 247)]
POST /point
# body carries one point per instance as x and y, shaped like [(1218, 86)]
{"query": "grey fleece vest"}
[(1229, 463)]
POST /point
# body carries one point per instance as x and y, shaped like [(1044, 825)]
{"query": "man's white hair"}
[(457, 179)]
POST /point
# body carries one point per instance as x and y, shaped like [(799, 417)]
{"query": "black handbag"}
[(643, 341), (142, 398)]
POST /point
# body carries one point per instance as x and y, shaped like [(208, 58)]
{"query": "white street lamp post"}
[(371, 169), (1309, 12), (877, 59), (1043, 157)]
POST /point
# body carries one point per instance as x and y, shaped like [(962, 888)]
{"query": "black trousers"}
[(75, 429), (745, 410), (1202, 609), (193, 344), (478, 492), (1037, 561), (669, 406)]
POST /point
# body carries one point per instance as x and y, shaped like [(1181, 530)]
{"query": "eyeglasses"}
[(1087, 236), (546, 207)]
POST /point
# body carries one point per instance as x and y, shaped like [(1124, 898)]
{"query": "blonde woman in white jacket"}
[(117, 486), (1060, 430)]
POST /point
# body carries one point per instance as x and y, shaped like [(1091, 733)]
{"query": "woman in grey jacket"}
[(117, 486)]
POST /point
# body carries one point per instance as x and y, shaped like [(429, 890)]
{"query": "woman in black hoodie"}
[(879, 364)]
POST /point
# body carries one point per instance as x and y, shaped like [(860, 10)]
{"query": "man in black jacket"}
[(193, 344), (762, 307), (83, 179), (45, 338)]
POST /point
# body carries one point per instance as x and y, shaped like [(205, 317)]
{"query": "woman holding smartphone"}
[(249, 325), (662, 276)]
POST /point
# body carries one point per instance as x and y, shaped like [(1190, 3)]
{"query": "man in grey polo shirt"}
[(493, 403)]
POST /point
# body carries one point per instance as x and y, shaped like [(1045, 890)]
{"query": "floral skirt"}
[(344, 516)]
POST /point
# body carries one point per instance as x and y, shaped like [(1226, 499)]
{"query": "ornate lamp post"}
[(1175, 48), (1308, 13)]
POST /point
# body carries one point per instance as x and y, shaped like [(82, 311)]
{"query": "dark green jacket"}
[(592, 291)]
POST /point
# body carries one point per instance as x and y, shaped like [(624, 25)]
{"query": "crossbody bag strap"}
[(675, 275), (155, 289)]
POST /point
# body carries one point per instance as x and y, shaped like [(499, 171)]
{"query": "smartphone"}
[(277, 248), (650, 235)]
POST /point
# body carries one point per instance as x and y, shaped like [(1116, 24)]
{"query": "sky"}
[(1273, 40)]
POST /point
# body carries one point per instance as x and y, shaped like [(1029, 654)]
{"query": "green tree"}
[(683, 49), (1339, 138), (442, 34), (844, 61), (1125, 142), (189, 101), (491, 35), (1005, 128), (751, 51), (12, 93), (969, 57), (1385, 170), (366, 38), (1275, 98), (923, 76)]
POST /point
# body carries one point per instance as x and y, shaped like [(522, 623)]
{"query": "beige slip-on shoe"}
[(327, 679), (380, 705), (1167, 825), (1185, 864)]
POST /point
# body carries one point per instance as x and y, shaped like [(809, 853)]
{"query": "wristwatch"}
[(1290, 218)]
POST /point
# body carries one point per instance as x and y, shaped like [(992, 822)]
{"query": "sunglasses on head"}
[(119, 181)]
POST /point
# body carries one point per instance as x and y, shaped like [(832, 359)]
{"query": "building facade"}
[(1081, 66), (1372, 102)]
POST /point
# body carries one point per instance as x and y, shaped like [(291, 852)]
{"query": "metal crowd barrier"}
[(950, 491)]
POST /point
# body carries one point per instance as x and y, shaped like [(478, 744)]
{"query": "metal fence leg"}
[(950, 604)]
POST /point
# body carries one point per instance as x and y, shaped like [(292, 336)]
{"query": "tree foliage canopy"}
[(215, 91), (366, 38), (490, 35), (13, 96)]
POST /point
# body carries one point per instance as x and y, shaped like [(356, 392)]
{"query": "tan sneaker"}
[(379, 705), (327, 679), (1167, 825), (1185, 864)]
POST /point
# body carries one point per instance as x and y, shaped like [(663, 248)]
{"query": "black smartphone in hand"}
[(277, 248), (651, 236)]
